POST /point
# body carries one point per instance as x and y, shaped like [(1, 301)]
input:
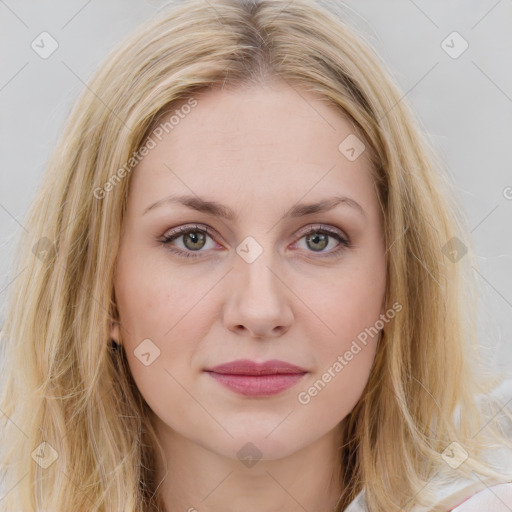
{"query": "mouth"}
[(250, 378)]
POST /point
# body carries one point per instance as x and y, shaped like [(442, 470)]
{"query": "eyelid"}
[(203, 227), (175, 233), (332, 231), (186, 228), (323, 227)]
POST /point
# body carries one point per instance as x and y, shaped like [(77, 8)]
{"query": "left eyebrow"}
[(219, 210)]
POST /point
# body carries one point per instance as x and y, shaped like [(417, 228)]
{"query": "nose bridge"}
[(258, 300), (255, 270)]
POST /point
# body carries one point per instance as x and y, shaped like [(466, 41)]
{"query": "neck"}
[(193, 478)]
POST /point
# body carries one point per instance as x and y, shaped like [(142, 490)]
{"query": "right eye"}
[(194, 239)]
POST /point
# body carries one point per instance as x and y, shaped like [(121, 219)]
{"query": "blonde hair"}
[(66, 385)]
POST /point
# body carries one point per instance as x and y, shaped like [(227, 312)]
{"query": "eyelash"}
[(184, 230)]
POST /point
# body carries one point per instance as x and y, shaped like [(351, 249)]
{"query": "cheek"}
[(157, 311), (162, 315), (154, 301), (351, 303), (350, 306), (343, 359)]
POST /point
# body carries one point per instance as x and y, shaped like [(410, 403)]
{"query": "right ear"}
[(115, 332)]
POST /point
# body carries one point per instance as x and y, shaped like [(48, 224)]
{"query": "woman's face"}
[(256, 287)]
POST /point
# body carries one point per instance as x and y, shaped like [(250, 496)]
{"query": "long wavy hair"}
[(67, 392)]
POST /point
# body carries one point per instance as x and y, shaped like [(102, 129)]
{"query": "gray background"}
[(465, 103)]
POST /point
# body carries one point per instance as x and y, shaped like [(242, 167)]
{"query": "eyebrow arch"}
[(219, 210)]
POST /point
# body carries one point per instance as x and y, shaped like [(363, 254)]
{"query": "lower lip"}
[(257, 385)]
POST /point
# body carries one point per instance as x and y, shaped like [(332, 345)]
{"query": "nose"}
[(257, 299)]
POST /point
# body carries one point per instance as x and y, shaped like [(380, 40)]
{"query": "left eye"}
[(194, 239), (319, 238)]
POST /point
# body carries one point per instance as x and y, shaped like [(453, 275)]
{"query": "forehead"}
[(271, 139)]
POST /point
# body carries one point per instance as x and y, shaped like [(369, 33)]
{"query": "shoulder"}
[(496, 498)]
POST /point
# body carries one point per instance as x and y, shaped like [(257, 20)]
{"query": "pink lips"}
[(249, 378)]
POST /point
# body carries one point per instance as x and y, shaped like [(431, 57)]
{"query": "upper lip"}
[(248, 367)]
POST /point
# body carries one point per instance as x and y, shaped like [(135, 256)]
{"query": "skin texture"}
[(258, 150)]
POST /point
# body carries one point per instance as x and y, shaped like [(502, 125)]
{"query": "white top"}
[(470, 498), (478, 495)]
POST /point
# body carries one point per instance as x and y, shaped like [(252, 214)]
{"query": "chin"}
[(256, 444)]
